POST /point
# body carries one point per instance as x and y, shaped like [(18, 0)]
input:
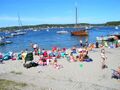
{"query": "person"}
[(81, 44), (35, 46), (56, 65), (97, 44), (86, 43), (23, 54), (72, 59), (116, 73), (81, 56), (104, 57)]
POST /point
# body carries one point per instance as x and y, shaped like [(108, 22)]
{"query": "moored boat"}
[(79, 33), (2, 43), (62, 32), (17, 33)]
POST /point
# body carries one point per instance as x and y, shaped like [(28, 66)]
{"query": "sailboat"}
[(18, 32), (80, 32)]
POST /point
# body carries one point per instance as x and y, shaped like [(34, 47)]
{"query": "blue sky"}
[(34, 12)]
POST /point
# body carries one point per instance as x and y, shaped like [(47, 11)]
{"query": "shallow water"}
[(49, 39)]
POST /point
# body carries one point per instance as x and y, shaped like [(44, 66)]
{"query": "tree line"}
[(41, 26)]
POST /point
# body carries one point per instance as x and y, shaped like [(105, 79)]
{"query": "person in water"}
[(81, 43)]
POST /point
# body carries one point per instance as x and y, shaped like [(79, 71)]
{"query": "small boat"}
[(47, 30), (8, 42), (105, 38), (116, 27), (79, 33), (17, 33), (2, 43), (21, 33), (8, 36), (62, 32), (35, 30)]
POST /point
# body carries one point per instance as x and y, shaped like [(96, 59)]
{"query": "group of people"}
[(50, 57), (108, 44)]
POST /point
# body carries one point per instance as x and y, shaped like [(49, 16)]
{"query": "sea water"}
[(47, 39)]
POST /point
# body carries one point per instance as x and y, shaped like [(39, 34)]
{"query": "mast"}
[(19, 21), (76, 15)]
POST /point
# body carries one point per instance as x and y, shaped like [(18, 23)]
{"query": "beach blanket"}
[(88, 60), (31, 64)]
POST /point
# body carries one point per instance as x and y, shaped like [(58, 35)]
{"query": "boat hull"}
[(79, 33)]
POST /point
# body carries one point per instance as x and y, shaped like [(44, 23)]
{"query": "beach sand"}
[(73, 75)]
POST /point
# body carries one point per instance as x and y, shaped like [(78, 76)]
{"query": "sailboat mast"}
[(19, 21), (76, 15)]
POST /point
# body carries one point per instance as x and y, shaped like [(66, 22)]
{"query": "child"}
[(104, 57), (72, 59), (56, 65)]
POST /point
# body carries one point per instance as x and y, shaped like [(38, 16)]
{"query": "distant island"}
[(42, 26)]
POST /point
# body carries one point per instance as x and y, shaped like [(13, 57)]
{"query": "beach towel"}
[(88, 60), (6, 57)]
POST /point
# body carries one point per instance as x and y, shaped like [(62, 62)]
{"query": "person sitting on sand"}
[(45, 54), (74, 50), (23, 54), (104, 57), (81, 43), (116, 73), (81, 56), (56, 65), (72, 59), (1, 57)]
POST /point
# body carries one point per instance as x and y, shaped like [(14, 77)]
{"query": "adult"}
[(35, 46), (97, 44), (81, 43)]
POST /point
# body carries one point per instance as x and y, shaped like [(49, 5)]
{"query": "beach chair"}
[(115, 74)]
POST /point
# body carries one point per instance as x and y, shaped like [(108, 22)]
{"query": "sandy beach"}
[(73, 75)]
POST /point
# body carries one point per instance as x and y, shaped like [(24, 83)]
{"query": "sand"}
[(73, 75)]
